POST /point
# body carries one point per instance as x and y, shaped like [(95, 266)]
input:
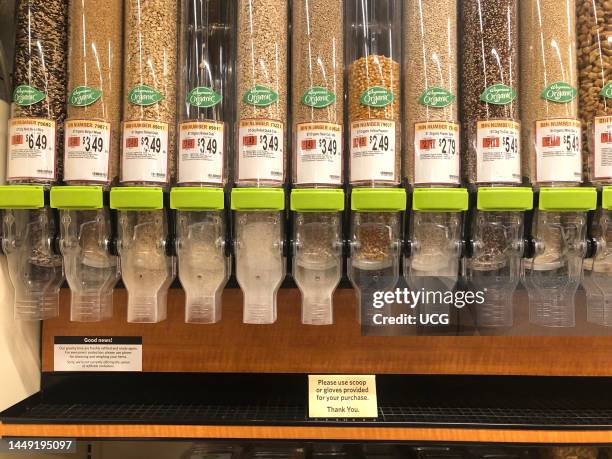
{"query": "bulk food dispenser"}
[(259, 221), (203, 263), (435, 246), (373, 265), (494, 267), (91, 270), (29, 229), (147, 268), (317, 250), (598, 270), (553, 274)]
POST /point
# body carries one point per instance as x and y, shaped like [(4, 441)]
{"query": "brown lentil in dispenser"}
[(373, 53), (595, 92)]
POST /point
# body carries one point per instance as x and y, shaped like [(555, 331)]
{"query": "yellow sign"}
[(342, 396)]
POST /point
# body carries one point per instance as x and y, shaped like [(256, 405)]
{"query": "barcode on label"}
[(44, 171), (99, 174)]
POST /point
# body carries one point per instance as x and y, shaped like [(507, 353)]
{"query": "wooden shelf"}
[(290, 347), (132, 431)]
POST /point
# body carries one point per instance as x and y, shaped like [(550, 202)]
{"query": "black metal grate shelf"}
[(266, 399)]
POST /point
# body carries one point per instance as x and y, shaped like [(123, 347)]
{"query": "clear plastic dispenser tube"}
[(597, 280), (147, 269), (373, 265), (201, 251), (552, 276), (259, 221), (495, 268), (91, 270), (317, 250), (435, 241), (28, 229)]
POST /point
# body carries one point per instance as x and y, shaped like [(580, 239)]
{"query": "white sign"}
[(97, 353)]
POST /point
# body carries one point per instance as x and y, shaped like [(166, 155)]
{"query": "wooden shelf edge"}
[(138, 431)]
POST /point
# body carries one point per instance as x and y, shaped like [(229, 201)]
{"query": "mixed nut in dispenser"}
[(38, 109), (595, 91)]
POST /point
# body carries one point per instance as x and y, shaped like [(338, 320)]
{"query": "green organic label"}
[(606, 91), (498, 94), (260, 96), (376, 96), (436, 97), (203, 97), (82, 96), (318, 97), (144, 95), (27, 95), (559, 92)]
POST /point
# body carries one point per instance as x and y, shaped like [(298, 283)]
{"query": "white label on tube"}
[(602, 147), (498, 152), (145, 152), (261, 150), (373, 151), (437, 147), (201, 152), (318, 153), (31, 149), (558, 147), (87, 151)]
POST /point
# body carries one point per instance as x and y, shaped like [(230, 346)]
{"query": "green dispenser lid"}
[(505, 199), (77, 197), (606, 197), (258, 199), (440, 199), (189, 198), (311, 200), (137, 198), (22, 197), (378, 200), (579, 199)]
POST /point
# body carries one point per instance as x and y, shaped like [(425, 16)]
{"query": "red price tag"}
[(249, 140), (490, 142), (188, 144), (551, 141), (17, 139), (131, 142)]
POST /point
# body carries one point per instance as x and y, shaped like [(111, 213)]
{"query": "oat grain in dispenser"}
[(29, 228), (146, 267), (435, 247), (149, 93), (494, 268), (373, 50), (259, 221), (38, 107), (318, 92), (432, 131), (551, 140), (552, 276), (262, 60), (91, 270), (95, 60), (373, 266), (490, 109), (203, 264), (595, 91), (317, 250), (597, 280)]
